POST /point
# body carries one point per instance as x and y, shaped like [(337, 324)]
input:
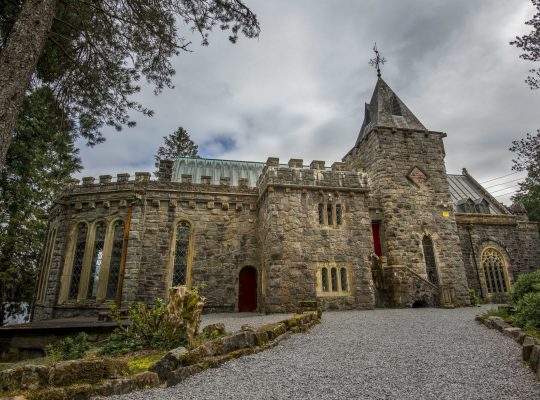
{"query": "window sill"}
[(333, 294)]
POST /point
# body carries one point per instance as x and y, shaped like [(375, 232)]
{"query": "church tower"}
[(414, 228)]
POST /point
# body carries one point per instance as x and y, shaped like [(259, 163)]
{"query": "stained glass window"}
[(181, 254), (344, 283), (333, 273), (116, 259), (339, 214), (78, 255), (321, 213), (324, 279), (97, 260), (429, 258), (493, 264)]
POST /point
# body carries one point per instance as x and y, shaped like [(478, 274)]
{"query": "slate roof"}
[(387, 110), (463, 187)]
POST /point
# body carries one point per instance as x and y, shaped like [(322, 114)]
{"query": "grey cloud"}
[(299, 90)]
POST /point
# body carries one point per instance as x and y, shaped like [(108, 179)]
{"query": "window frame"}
[(504, 271), (172, 252), (330, 290)]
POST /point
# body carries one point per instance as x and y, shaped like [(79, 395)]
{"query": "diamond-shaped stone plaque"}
[(417, 176)]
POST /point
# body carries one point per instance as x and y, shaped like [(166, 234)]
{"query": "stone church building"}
[(385, 227)]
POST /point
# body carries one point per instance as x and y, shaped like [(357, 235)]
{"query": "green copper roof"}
[(198, 167)]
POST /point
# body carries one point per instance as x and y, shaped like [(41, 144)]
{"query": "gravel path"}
[(382, 354)]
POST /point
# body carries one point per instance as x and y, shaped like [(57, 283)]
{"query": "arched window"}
[(494, 271), (116, 259), (321, 213), (344, 283), (324, 279), (339, 214), (97, 260), (47, 259), (333, 273), (429, 259), (181, 254), (78, 255), (329, 214)]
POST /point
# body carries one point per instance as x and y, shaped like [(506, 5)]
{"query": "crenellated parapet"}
[(316, 176)]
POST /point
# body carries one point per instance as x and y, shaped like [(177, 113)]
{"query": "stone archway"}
[(247, 289)]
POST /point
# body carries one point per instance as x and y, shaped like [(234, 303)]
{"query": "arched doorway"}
[(247, 290)]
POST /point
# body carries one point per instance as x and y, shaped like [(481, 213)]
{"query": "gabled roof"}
[(387, 110), (464, 188)]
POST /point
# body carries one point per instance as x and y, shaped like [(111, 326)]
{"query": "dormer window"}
[(469, 206), (396, 107)]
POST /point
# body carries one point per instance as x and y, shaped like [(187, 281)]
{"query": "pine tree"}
[(177, 144), (93, 54), (39, 163)]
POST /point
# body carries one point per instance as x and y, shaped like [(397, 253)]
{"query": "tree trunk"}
[(18, 60)]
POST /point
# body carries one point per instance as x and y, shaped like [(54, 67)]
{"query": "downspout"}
[(123, 259), (475, 263)]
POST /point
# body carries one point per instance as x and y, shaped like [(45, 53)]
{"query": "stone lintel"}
[(486, 219), (88, 180), (296, 163), (317, 164), (272, 162)]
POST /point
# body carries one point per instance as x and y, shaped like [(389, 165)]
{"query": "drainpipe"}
[(475, 263), (123, 259)]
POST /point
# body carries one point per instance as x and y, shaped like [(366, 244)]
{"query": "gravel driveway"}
[(382, 354)]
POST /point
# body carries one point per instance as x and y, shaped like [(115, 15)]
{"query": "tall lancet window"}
[(429, 259), (181, 254), (78, 256), (116, 259), (97, 260)]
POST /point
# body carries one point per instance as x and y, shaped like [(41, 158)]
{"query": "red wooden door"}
[(376, 231), (247, 291)]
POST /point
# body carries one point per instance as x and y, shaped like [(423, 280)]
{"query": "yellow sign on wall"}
[(446, 213)]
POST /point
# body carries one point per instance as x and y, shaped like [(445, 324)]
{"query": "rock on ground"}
[(380, 354)]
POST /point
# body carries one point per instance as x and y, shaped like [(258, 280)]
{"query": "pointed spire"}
[(387, 110)]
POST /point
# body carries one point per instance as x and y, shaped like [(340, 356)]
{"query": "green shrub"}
[(526, 283), (475, 300), (156, 327), (148, 328), (527, 313), (70, 348)]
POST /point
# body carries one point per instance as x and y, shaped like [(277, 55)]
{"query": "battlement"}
[(315, 175)]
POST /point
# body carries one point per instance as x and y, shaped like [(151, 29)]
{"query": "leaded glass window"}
[(429, 259), (181, 253), (344, 283), (493, 264), (333, 273), (97, 260), (339, 214), (321, 213), (44, 276), (329, 216), (78, 256), (324, 279), (116, 259)]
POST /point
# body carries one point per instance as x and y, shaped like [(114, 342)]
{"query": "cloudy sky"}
[(298, 91)]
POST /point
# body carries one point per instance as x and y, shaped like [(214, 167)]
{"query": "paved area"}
[(381, 354)]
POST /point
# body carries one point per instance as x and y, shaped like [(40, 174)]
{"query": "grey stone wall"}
[(408, 177), (293, 243), (517, 240)]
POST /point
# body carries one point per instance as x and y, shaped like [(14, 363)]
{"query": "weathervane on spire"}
[(377, 61)]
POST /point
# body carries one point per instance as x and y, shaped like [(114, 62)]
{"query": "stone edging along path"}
[(83, 379), (530, 350)]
